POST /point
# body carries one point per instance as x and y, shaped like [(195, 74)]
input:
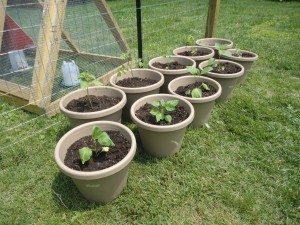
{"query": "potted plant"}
[(96, 156), (92, 103), (225, 72), (136, 83), (211, 43), (162, 120), (200, 91), (245, 58), (197, 53), (171, 67)]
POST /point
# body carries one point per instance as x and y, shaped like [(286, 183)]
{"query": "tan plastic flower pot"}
[(133, 94), (246, 62), (227, 81), (112, 114), (197, 59), (171, 74), (166, 140), (210, 42), (202, 106), (102, 185)]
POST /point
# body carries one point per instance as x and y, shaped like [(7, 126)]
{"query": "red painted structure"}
[(14, 38)]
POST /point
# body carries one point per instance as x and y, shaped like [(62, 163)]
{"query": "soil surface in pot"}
[(135, 82), (196, 53), (229, 68), (178, 115), (169, 66), (103, 159), (244, 55), (205, 93), (98, 102)]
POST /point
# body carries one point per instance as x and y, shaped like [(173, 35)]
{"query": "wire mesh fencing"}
[(94, 36)]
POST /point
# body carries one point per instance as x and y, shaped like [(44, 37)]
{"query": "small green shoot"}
[(128, 67), (191, 42), (161, 107), (100, 137), (86, 80)]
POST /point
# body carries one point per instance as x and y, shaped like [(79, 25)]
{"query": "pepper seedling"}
[(86, 80), (197, 92), (100, 137), (161, 107)]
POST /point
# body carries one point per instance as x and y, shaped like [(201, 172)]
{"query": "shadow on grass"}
[(66, 194)]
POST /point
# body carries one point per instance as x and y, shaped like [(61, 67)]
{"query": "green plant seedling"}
[(100, 137), (222, 50), (128, 67), (197, 92), (86, 80), (191, 42), (161, 107)]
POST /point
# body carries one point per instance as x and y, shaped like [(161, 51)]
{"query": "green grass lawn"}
[(243, 170)]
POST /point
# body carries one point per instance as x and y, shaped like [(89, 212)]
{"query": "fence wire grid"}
[(86, 29)]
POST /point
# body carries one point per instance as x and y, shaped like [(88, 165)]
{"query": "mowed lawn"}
[(244, 169)]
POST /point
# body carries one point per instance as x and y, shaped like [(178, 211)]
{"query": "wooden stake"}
[(212, 17), (47, 52), (112, 24)]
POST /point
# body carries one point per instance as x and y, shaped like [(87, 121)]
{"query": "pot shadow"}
[(66, 194)]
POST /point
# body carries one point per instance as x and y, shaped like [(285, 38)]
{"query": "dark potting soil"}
[(98, 102), (229, 68), (244, 55), (169, 66), (135, 82), (197, 53), (205, 93), (104, 159), (178, 115)]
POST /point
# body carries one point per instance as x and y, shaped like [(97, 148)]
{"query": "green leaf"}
[(211, 61), (205, 86), (196, 93), (154, 111), (105, 140), (96, 132), (83, 84), (124, 56), (155, 103), (193, 70), (85, 154), (159, 117), (188, 92), (119, 74), (168, 118), (220, 47), (162, 103), (190, 40), (105, 149), (97, 83), (173, 102), (206, 70), (227, 53)]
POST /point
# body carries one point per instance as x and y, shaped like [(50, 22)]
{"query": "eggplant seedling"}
[(100, 137), (161, 107), (86, 80)]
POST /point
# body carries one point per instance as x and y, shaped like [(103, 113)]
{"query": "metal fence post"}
[(139, 28)]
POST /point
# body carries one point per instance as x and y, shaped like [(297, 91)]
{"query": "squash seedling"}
[(197, 92), (100, 137), (86, 80), (128, 67), (222, 50), (161, 107)]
